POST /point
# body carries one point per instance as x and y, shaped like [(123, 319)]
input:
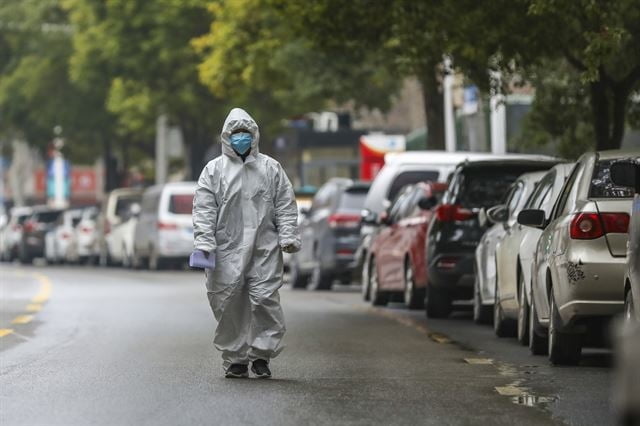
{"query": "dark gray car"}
[(330, 234)]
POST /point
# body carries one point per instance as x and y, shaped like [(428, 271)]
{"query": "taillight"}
[(85, 229), (64, 235), (588, 226), (107, 227), (29, 226), (166, 226), (17, 227), (453, 212), (340, 220), (447, 263)]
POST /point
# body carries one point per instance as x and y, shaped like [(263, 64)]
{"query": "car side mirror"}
[(626, 173), (427, 203), (533, 218), (385, 218), (304, 211), (498, 214), (368, 217)]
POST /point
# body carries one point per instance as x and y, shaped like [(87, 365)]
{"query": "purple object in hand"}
[(200, 260)]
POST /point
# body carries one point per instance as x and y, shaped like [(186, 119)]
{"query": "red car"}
[(397, 265)]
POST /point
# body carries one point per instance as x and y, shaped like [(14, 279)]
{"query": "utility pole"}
[(449, 118), (498, 117), (161, 150)]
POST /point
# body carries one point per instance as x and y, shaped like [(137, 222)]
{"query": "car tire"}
[(156, 262), (564, 348), (366, 282), (538, 344), (320, 279), (413, 297), (438, 303), (503, 327), (297, 279), (629, 308), (482, 314), (523, 314), (127, 261), (378, 298)]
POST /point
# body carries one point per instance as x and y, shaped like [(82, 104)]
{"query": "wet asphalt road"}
[(117, 347)]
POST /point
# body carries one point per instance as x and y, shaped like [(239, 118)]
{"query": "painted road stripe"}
[(45, 289), (5, 332), (22, 319), (510, 390), (34, 307), (479, 361)]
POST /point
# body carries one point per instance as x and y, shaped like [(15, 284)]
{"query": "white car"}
[(116, 205), (164, 232), (83, 243), (303, 205), (504, 218), (58, 241), (11, 233), (122, 237), (514, 255)]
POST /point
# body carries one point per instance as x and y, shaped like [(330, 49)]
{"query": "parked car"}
[(397, 261), (122, 237), (400, 169), (580, 259), (12, 232), (116, 205), (455, 231), (34, 230), (487, 261), (58, 240), (304, 204), (627, 173), (164, 229), (83, 242), (330, 233)]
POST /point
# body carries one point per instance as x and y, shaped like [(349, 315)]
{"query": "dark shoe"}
[(260, 368), (237, 371)]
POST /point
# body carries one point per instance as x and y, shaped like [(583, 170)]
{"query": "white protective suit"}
[(245, 213)]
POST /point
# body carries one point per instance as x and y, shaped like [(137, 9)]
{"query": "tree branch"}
[(575, 62)]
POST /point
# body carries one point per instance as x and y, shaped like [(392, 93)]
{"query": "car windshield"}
[(408, 178), (353, 200), (181, 203), (601, 184)]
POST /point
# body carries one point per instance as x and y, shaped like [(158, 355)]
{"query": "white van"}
[(164, 232)]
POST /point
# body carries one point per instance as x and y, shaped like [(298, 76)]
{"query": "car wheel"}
[(482, 314), (564, 348), (629, 308), (378, 298), (104, 258), (413, 297), (523, 314), (538, 344), (126, 258), (438, 303), (321, 280), (298, 280), (503, 327), (366, 282)]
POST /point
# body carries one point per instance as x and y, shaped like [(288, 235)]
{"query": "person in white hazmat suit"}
[(245, 214)]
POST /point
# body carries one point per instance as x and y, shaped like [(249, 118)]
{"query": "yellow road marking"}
[(479, 361), (34, 307), (45, 289), (5, 332), (22, 319)]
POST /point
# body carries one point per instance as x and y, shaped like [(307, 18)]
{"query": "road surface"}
[(98, 346)]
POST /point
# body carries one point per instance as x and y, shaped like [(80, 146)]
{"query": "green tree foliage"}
[(35, 91), (251, 55)]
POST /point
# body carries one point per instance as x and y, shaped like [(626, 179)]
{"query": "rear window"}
[(48, 217), (23, 218), (408, 178), (123, 205), (181, 203), (485, 188), (601, 184), (352, 200)]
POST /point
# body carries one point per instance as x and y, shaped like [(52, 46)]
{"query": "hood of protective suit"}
[(239, 119)]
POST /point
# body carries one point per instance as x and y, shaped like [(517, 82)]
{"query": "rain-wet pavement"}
[(118, 347)]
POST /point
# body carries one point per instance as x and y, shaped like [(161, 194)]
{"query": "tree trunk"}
[(609, 105), (434, 108), (197, 140)]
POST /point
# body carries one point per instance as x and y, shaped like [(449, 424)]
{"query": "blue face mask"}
[(241, 142)]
